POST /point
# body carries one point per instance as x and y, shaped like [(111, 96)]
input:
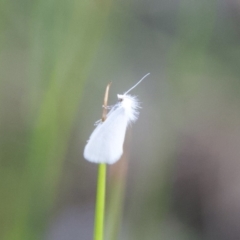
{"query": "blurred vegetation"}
[(56, 41), (56, 58)]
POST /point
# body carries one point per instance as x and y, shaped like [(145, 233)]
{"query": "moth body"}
[(105, 144)]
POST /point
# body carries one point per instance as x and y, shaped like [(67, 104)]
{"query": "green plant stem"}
[(100, 202)]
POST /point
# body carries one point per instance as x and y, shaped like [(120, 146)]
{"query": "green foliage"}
[(59, 39)]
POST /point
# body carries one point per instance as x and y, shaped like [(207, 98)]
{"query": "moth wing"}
[(105, 144)]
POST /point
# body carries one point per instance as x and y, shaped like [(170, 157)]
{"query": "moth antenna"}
[(136, 84)]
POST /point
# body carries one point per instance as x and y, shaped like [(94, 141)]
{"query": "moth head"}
[(127, 101), (120, 97), (130, 105), (124, 99)]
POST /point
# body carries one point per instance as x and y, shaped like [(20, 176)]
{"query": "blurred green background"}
[(179, 177)]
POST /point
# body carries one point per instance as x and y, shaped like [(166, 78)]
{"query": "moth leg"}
[(107, 107), (98, 122)]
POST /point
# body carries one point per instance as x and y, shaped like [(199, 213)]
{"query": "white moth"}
[(105, 144)]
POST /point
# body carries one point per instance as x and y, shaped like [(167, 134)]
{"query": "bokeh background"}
[(179, 177)]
